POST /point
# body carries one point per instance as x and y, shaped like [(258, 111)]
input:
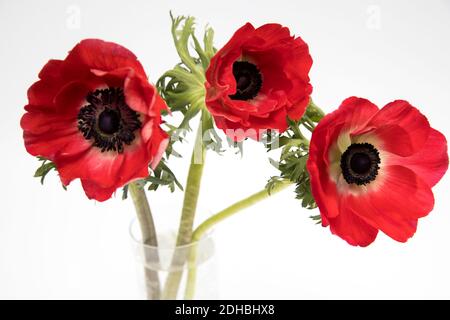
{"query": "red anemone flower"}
[(257, 80), (96, 116), (374, 169)]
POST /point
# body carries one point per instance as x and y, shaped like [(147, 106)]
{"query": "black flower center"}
[(107, 120), (248, 80), (360, 163)]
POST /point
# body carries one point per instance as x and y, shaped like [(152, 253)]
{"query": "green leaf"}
[(317, 219), (44, 169), (292, 164), (273, 181), (303, 192), (157, 181), (162, 176)]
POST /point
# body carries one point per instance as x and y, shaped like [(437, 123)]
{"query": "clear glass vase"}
[(175, 272)]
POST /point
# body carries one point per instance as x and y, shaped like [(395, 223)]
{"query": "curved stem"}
[(148, 232), (218, 217), (300, 135), (236, 207), (188, 212)]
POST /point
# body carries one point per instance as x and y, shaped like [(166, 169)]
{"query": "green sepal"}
[(45, 167), (183, 87), (317, 218), (313, 112)]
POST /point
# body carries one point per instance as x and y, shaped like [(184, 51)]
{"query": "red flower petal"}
[(296, 111), (323, 189), (105, 170), (48, 132), (354, 113), (42, 93), (100, 55), (52, 70), (399, 121), (391, 223), (41, 121), (96, 192), (140, 95), (238, 132), (156, 143), (387, 209), (269, 35), (352, 228), (431, 162), (219, 73), (50, 144), (72, 96)]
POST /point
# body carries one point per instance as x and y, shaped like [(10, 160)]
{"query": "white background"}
[(57, 244)]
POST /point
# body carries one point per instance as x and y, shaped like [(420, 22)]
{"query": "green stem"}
[(188, 212), (192, 190), (300, 135), (308, 121), (307, 126), (316, 108), (218, 217), (149, 238)]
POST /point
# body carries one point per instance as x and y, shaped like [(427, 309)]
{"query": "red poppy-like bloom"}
[(374, 169), (257, 80), (96, 116)]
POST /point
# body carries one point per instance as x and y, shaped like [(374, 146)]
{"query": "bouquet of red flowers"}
[(95, 116)]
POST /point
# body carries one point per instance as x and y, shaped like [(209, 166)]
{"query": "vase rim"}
[(207, 237)]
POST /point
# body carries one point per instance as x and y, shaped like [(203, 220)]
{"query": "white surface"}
[(57, 244)]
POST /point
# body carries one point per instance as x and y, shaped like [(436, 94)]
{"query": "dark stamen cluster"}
[(360, 163), (248, 80), (107, 120)]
